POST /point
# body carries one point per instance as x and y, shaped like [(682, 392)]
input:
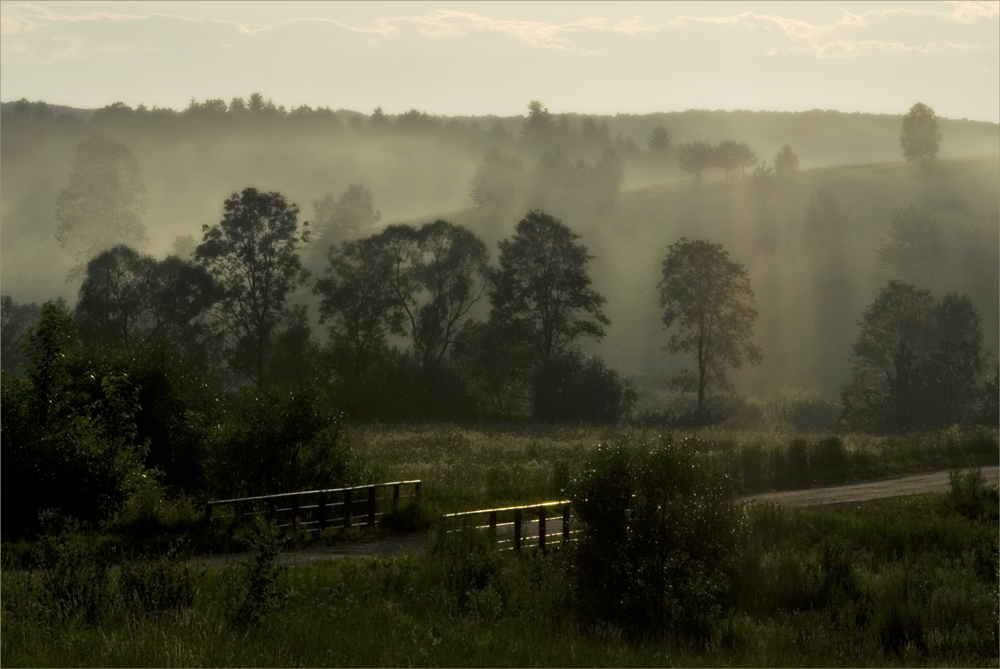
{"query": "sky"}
[(479, 58)]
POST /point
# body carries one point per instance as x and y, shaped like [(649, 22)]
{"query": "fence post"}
[(395, 496), (208, 512), (416, 491), (295, 513), (322, 511), (493, 524), (371, 506), (272, 507), (517, 530), (565, 524), (347, 508), (541, 528)]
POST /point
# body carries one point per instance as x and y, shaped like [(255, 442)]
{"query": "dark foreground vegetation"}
[(900, 581)]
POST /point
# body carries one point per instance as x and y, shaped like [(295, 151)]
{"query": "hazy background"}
[(465, 68)]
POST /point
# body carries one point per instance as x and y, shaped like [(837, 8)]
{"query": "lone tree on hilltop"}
[(920, 138), (542, 283), (707, 297)]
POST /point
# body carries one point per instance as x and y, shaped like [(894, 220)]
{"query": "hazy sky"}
[(492, 58)]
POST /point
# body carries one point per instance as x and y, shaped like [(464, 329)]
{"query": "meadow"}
[(905, 581)]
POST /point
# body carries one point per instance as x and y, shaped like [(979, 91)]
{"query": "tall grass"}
[(473, 467), (889, 582)]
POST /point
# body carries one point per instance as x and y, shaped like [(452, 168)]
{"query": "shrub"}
[(254, 593), (69, 441), (969, 496), (660, 537), (278, 440), (829, 460), (571, 387)]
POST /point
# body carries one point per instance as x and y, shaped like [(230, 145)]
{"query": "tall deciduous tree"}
[(104, 202), (345, 217), (359, 303), (542, 282), (696, 157), (919, 137), (916, 361), (128, 298), (253, 255), (706, 296)]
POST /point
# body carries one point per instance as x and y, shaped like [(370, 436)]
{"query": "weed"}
[(254, 594)]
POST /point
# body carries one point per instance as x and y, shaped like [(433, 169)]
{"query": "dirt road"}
[(828, 495)]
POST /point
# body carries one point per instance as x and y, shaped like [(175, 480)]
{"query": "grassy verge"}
[(466, 468), (902, 581)]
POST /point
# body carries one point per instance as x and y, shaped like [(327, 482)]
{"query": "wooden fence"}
[(316, 510), (520, 517)]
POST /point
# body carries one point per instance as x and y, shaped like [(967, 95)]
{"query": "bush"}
[(277, 440), (661, 536), (969, 496), (69, 441), (571, 387), (253, 592)]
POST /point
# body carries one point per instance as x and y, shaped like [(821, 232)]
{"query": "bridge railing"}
[(317, 510), (511, 525)]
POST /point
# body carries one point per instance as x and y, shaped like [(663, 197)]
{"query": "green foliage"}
[(708, 297), (661, 536), (969, 496), (919, 137), (543, 283), (572, 387), (69, 442), (916, 361), (253, 255), (497, 182), (277, 440), (253, 593)]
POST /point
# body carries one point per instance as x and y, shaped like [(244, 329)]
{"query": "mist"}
[(810, 242)]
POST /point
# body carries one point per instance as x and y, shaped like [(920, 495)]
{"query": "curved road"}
[(823, 496)]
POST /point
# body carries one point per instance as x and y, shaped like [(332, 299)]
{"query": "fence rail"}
[(515, 527), (316, 510)]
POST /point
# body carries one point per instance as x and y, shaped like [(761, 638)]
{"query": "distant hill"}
[(812, 280)]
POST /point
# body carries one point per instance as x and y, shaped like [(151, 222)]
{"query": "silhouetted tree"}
[(745, 157), (497, 182), (359, 303), (104, 202), (659, 141), (914, 248), (786, 162), (542, 282), (919, 137), (708, 297), (727, 156), (453, 275), (695, 157), (916, 361), (537, 129), (353, 212), (253, 255)]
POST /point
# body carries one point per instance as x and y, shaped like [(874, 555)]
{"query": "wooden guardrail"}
[(315, 510), (497, 525)]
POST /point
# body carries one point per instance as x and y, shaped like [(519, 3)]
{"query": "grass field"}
[(467, 468), (903, 581)]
